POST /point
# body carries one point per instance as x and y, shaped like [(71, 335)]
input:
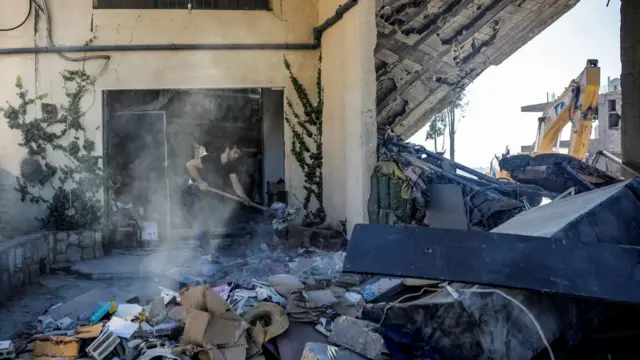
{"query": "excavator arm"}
[(577, 105)]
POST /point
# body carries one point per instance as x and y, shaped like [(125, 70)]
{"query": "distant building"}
[(606, 130)]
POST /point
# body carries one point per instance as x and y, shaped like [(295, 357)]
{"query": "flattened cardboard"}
[(89, 332), (195, 328), (57, 346), (237, 351), (224, 330), (215, 304), (193, 298)]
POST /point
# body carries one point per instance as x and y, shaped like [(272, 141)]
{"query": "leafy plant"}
[(307, 142), (75, 201), (437, 127), (443, 120)]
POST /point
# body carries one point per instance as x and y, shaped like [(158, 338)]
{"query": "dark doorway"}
[(149, 136), (139, 140)]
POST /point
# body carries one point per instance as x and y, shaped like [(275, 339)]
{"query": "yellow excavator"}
[(577, 105)]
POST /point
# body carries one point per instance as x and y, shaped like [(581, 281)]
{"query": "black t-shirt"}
[(214, 172)]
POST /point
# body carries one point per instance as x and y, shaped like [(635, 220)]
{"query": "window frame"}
[(228, 5)]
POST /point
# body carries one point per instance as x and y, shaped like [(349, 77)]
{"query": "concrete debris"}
[(7, 350), (293, 303), (103, 345), (358, 336), (320, 351), (403, 190)]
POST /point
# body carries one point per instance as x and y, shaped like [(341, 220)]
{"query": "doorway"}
[(149, 136)]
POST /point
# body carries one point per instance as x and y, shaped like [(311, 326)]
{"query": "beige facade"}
[(349, 79), (350, 125), (607, 134), (610, 118)]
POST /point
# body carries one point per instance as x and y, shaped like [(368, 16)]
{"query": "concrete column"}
[(349, 134), (360, 113), (630, 56)]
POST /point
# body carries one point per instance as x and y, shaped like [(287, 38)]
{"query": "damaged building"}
[(169, 64)]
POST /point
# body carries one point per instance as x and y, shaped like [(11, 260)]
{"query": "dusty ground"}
[(33, 300), (141, 272)]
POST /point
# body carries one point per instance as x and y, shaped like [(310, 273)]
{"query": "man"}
[(213, 170)]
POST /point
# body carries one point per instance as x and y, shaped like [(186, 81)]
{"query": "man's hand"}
[(246, 201), (203, 186)]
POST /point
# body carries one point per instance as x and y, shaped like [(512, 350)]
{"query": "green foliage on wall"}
[(306, 147), (74, 200)]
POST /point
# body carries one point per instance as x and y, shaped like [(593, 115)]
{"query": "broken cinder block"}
[(7, 351), (358, 336), (103, 345), (320, 351)]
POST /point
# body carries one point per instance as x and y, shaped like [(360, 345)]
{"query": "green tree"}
[(437, 127), (446, 119), (456, 109), (73, 199)]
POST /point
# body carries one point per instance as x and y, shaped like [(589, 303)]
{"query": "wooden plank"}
[(592, 270)]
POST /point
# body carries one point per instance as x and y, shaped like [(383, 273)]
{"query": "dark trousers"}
[(202, 234)]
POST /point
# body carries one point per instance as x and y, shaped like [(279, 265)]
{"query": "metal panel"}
[(446, 207), (607, 215), (601, 271)]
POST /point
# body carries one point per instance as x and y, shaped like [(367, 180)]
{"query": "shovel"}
[(233, 197)]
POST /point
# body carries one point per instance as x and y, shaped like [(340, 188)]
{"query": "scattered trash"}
[(126, 311), (122, 327), (353, 298), (89, 332), (106, 308), (103, 345), (7, 350), (270, 317), (358, 336), (57, 347)]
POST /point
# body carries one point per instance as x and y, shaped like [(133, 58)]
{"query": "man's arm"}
[(192, 168), (237, 187)]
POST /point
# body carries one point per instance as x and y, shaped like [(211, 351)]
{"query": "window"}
[(614, 120), (611, 105), (183, 4)]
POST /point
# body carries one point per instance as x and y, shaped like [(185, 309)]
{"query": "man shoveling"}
[(209, 173)]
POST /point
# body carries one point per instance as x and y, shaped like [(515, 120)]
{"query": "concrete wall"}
[(349, 112), (24, 259), (74, 22), (608, 138), (630, 58)]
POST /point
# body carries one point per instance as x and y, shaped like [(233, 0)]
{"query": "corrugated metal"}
[(184, 4)]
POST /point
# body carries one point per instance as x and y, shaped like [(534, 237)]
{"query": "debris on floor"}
[(455, 266)]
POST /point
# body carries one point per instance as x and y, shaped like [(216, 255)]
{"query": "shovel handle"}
[(232, 197)]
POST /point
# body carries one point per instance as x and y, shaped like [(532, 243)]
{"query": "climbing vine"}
[(71, 191), (306, 145)]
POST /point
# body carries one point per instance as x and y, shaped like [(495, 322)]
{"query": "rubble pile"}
[(480, 272), (313, 315), (409, 186), (406, 188), (511, 279)]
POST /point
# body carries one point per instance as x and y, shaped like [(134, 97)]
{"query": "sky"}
[(544, 65)]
